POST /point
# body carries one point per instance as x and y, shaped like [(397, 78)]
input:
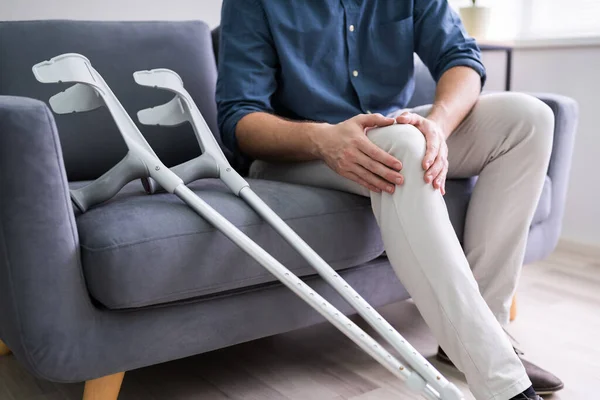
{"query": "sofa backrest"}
[(424, 86), (91, 142)]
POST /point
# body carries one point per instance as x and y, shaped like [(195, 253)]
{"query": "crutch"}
[(91, 91)]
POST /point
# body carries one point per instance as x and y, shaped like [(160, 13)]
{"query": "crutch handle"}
[(203, 166), (200, 167), (109, 184)]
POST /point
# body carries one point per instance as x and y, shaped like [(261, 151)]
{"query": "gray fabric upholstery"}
[(42, 293), (424, 86), (91, 142), (458, 194), (140, 250), (216, 39), (47, 316), (544, 236)]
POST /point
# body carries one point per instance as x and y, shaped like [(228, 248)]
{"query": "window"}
[(560, 18), (532, 19)]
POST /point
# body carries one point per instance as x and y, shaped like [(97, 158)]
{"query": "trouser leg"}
[(428, 259), (506, 140)]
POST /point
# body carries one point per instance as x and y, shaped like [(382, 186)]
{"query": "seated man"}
[(316, 91)]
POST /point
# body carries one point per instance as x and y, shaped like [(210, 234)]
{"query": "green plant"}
[(474, 2)]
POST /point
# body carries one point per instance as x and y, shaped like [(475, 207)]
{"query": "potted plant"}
[(476, 19)]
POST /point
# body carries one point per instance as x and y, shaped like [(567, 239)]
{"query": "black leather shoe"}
[(543, 381), (523, 397)]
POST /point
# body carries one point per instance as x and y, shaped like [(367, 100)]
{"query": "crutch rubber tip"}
[(75, 198), (150, 185), (451, 392)]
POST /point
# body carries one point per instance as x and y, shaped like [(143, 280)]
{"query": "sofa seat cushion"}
[(140, 250)]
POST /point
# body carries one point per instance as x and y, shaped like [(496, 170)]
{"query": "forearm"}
[(456, 94), (268, 137)]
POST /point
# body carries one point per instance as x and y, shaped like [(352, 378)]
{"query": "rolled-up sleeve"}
[(441, 40), (247, 66)]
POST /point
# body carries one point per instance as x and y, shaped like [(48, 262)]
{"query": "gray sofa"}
[(142, 279)]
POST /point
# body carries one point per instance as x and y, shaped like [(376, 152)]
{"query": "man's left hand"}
[(435, 162)]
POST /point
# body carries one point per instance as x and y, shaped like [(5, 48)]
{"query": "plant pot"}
[(476, 20)]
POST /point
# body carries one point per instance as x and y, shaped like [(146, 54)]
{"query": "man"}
[(303, 88)]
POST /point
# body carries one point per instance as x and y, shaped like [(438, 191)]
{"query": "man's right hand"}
[(347, 150)]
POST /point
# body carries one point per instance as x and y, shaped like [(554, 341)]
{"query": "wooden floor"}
[(558, 327)]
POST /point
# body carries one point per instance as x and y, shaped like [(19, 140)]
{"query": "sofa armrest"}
[(544, 237), (42, 290)]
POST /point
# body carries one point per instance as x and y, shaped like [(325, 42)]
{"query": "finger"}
[(370, 120), (377, 154), (352, 176), (440, 179), (432, 140), (431, 151), (379, 169), (443, 182), (444, 186), (373, 179), (434, 170), (409, 118)]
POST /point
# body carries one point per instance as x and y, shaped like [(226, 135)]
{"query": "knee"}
[(404, 142), (535, 120)]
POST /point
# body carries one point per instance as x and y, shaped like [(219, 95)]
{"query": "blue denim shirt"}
[(329, 60)]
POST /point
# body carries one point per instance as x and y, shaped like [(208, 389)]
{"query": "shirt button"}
[(351, 28), (355, 73)]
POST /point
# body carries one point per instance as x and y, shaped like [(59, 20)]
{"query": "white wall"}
[(206, 10), (572, 72)]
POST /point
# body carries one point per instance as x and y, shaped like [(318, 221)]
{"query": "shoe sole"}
[(549, 391)]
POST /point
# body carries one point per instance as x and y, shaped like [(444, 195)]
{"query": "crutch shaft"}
[(143, 162), (337, 318), (407, 351), (182, 108)]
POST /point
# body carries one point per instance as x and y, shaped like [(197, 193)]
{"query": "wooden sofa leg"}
[(513, 309), (105, 388), (4, 350)]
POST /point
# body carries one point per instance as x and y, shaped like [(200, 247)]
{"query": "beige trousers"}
[(464, 294)]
